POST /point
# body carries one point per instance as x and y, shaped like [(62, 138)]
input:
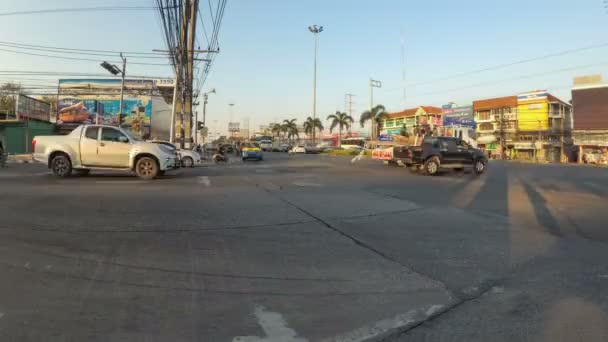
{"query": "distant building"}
[(25, 118), (496, 120), (590, 117), (422, 119)]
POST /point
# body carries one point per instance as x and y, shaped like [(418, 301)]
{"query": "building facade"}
[(543, 127), (419, 120), (590, 120), (496, 120)]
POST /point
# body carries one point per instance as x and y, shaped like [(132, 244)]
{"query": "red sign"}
[(383, 153)]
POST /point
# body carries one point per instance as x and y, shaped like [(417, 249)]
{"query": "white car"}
[(187, 158), (100, 147), (298, 149), (266, 145)]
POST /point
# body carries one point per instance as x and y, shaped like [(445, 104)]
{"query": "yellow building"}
[(533, 111)]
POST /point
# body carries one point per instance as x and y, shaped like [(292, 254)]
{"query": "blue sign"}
[(458, 116), (385, 137)]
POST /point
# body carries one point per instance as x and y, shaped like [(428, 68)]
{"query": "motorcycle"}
[(220, 157)]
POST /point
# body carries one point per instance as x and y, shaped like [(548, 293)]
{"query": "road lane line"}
[(204, 180), (274, 326)]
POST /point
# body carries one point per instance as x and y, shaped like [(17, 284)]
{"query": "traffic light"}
[(199, 125)]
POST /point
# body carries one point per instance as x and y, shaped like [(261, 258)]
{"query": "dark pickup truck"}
[(440, 153)]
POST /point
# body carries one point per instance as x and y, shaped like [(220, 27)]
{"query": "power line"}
[(69, 51), (76, 58), (506, 65), (80, 9), (85, 50)]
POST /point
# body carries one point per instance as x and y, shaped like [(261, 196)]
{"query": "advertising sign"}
[(234, 126), (98, 100), (30, 108), (458, 115), (385, 137), (383, 153)]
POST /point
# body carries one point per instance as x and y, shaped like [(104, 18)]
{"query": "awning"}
[(486, 139)]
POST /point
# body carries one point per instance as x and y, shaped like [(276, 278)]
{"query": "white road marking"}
[(274, 326), (305, 183), (383, 326), (204, 180)]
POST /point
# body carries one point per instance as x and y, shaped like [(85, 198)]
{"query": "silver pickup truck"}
[(98, 147)]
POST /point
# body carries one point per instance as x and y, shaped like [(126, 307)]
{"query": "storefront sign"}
[(523, 146), (385, 137)]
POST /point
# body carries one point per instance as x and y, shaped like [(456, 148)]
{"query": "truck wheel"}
[(431, 166), (146, 168), (61, 166), (187, 162), (480, 166)]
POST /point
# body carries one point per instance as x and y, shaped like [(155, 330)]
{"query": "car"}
[(266, 145), (595, 157), (297, 149), (226, 148), (281, 148), (251, 151), (187, 158), (103, 147), (313, 149), (440, 153)]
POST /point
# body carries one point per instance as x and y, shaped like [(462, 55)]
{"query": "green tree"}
[(376, 115), (291, 128), (8, 98), (342, 121), (311, 125)]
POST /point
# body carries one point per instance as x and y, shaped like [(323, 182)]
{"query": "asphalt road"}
[(305, 248)]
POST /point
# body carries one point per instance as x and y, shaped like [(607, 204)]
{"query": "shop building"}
[(496, 126), (419, 120), (543, 127), (30, 118), (590, 120)]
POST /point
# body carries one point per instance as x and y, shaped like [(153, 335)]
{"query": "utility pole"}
[(373, 84), (348, 106), (315, 30)]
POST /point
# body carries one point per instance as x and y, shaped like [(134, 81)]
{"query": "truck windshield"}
[(131, 136)]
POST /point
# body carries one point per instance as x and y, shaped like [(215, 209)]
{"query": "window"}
[(399, 122), (450, 144), (486, 127), (462, 144), (390, 123), (483, 115), (111, 134), (91, 133)]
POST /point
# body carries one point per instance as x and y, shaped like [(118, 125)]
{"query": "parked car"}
[(595, 157), (313, 149), (226, 148), (298, 149), (441, 153), (91, 147), (266, 145), (251, 151), (187, 158), (281, 148)]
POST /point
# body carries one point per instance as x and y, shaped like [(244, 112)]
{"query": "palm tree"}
[(291, 128), (376, 115), (311, 125), (342, 120), (276, 129)]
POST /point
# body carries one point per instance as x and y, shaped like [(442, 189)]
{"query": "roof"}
[(498, 102), (432, 110), (413, 111), (403, 113), (556, 99)]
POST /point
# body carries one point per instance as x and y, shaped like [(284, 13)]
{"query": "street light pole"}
[(373, 84), (315, 30), (122, 88)]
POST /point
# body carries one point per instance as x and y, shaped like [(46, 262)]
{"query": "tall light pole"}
[(373, 84), (315, 30), (205, 98), (114, 70)]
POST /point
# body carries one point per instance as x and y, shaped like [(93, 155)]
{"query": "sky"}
[(265, 67)]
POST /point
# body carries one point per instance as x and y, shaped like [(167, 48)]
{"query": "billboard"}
[(30, 108), (83, 101), (458, 115), (234, 126)]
